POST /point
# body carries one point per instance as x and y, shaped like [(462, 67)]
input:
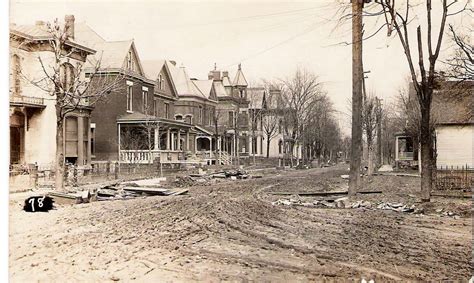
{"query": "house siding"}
[(454, 145)]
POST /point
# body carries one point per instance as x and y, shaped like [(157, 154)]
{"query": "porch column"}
[(210, 146), (172, 141), (178, 143), (196, 144), (118, 157), (80, 141), (89, 145), (168, 134), (156, 144), (187, 141)]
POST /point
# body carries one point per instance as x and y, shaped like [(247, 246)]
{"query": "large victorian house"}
[(32, 103), (232, 111)]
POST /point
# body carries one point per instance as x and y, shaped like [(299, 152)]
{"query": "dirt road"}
[(232, 232)]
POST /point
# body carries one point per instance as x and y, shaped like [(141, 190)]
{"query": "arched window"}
[(67, 77), (16, 74), (179, 117)]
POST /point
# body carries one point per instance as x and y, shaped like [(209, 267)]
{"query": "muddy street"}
[(233, 231)]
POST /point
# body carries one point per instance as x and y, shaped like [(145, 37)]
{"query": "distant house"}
[(453, 123), (232, 99), (32, 108), (453, 107)]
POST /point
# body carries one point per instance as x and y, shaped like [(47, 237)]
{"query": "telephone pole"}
[(379, 131), (357, 77)]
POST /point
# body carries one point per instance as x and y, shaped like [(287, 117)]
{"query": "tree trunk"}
[(268, 147), (426, 153), (59, 178), (357, 77), (370, 165)]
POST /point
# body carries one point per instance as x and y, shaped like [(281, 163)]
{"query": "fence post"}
[(116, 170), (107, 169)]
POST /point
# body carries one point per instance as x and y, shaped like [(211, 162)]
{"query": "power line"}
[(247, 18), (310, 29)]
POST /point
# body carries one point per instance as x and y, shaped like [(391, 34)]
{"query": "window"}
[(179, 118), (254, 145), (167, 110), (129, 98), (231, 118), (161, 82), (280, 145), (67, 77), (200, 117), (189, 119), (16, 74), (130, 60), (145, 100), (210, 117), (155, 107)]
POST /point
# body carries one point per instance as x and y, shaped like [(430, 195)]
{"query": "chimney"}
[(40, 23), (69, 26), (225, 73), (214, 75)]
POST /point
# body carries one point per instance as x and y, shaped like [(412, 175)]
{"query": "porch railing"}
[(139, 156), (20, 99)]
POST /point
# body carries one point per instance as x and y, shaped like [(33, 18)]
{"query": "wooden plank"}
[(322, 193), (150, 191)]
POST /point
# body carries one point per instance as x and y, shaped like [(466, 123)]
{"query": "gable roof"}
[(453, 103), (239, 79), (206, 88), (153, 68), (256, 96), (112, 54), (183, 84), (219, 89)]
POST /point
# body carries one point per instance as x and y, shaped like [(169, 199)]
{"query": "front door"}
[(15, 144)]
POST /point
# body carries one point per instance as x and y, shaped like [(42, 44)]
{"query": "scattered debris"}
[(386, 168), (396, 207), (324, 193)]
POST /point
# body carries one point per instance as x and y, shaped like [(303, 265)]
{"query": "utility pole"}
[(357, 77), (379, 130)]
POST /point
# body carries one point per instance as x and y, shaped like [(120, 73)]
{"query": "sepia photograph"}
[(239, 141)]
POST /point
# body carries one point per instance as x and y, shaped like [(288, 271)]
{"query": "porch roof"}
[(201, 130), (137, 118)]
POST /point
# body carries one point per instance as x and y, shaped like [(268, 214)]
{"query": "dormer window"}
[(179, 118)]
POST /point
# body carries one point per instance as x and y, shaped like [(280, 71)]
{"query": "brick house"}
[(135, 124), (232, 99)]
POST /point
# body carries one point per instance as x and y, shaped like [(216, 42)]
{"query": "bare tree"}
[(461, 64), (83, 85), (299, 93), (369, 120), (270, 122), (398, 18)]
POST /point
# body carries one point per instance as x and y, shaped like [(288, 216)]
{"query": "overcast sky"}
[(271, 39)]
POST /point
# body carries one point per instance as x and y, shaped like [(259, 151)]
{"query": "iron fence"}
[(454, 178)]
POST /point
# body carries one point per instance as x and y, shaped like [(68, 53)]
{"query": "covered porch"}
[(153, 140)]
